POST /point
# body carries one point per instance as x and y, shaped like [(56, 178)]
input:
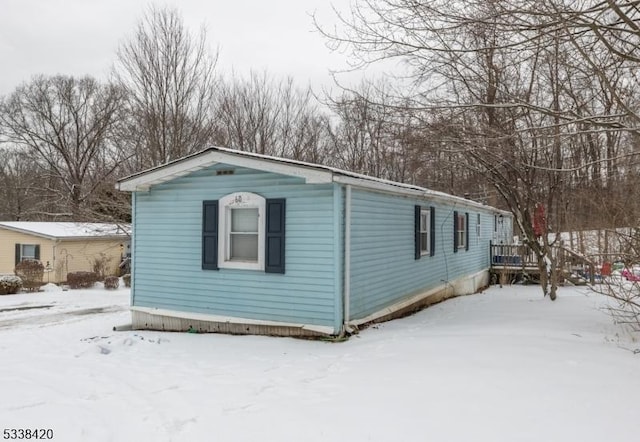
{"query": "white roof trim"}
[(67, 231), (414, 191), (311, 173), (212, 156)]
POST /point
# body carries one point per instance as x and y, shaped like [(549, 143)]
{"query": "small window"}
[(424, 223), (28, 252), (243, 235), (478, 229), (241, 221), (425, 228), (461, 231)]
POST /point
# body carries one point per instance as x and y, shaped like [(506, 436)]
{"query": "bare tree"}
[(269, 116), (169, 76), (65, 126), (21, 195), (514, 88)]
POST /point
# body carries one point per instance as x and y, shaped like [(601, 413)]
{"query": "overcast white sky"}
[(81, 36)]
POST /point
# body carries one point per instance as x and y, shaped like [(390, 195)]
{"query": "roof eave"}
[(144, 181), (28, 232), (408, 191)]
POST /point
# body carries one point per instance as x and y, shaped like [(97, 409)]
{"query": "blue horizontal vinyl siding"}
[(383, 265), (168, 241)]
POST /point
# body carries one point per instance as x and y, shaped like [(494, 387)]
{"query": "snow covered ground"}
[(505, 365)]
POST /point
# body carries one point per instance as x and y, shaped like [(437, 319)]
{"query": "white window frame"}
[(461, 231), (239, 200), (425, 214)]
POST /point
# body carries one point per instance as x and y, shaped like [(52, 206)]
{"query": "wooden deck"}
[(511, 263)]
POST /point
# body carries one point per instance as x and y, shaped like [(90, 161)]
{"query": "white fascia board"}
[(28, 232), (384, 187), (229, 319), (311, 175), (161, 175), (379, 186)]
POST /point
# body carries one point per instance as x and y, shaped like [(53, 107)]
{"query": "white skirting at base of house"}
[(461, 286), (147, 318)]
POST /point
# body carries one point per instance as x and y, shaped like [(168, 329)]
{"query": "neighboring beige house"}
[(63, 247)]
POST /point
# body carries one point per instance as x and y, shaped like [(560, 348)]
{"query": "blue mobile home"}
[(235, 242)]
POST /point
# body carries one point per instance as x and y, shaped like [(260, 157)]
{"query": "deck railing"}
[(509, 255)]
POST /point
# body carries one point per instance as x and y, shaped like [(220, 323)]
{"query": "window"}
[(424, 231), (241, 221), (243, 230), (460, 231), (243, 235), (462, 234), (478, 229), (27, 251)]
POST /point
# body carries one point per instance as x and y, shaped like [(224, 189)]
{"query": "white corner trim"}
[(229, 319)]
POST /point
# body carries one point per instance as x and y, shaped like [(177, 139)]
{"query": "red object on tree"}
[(539, 221)]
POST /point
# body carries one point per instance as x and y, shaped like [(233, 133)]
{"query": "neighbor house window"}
[(460, 231), (27, 251), (242, 229), (424, 231)]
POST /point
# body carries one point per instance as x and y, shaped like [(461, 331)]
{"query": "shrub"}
[(111, 282), (10, 284), (30, 272), (101, 266), (127, 280), (81, 280)]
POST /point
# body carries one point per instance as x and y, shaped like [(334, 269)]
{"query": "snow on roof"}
[(68, 229), (313, 173)]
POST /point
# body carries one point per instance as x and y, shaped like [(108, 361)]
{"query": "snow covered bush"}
[(10, 284), (111, 282), (81, 280), (30, 272), (127, 280)]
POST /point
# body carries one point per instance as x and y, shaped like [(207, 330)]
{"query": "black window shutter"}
[(466, 231), (275, 236), (37, 252), (416, 225), (210, 235), (455, 231), (18, 250), (432, 231)]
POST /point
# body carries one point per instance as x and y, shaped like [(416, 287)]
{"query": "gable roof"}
[(68, 230), (311, 173)]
